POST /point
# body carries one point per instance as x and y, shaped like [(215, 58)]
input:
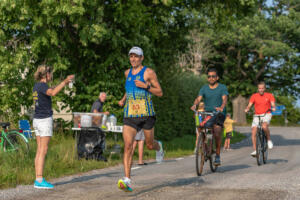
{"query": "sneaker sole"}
[(123, 186), (46, 188)]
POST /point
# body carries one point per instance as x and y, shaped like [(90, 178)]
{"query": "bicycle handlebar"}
[(262, 115), (206, 113)]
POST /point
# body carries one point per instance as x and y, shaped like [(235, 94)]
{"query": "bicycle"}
[(12, 140), (261, 142), (206, 146)]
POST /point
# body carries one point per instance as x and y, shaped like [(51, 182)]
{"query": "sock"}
[(126, 179), (39, 180)]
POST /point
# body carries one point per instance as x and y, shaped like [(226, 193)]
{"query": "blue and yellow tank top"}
[(138, 100)]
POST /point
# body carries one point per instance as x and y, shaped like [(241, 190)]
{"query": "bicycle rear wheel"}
[(212, 149), (265, 148), (200, 157), (15, 142), (259, 148)]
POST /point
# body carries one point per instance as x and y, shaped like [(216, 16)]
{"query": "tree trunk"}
[(239, 104)]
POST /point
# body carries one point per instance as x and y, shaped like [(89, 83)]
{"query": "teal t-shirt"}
[(213, 97)]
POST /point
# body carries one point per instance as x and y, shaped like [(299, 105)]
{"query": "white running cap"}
[(136, 50)]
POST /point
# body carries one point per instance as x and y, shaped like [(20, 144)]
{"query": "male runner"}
[(141, 83)]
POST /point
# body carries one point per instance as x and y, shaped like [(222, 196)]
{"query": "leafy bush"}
[(174, 117)]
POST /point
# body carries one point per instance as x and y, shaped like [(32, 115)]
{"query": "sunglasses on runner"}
[(213, 76)]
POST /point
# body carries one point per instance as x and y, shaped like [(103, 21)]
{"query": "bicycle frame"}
[(205, 146), (261, 142)]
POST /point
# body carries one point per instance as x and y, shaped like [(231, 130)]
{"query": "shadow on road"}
[(86, 178), (177, 183), (275, 161), (228, 168), (278, 140)]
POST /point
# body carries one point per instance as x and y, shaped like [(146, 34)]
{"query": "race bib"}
[(137, 107)]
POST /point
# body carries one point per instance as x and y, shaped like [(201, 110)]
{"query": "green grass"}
[(18, 169)]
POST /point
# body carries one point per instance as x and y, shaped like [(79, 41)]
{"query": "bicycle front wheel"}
[(259, 149), (15, 142), (212, 147), (265, 149), (199, 154)]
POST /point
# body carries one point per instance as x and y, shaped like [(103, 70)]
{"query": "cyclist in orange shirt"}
[(262, 103)]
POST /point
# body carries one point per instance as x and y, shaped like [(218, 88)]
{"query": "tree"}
[(261, 46), (91, 39), (88, 38)]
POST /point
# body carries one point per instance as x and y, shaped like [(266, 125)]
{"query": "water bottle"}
[(113, 120), (104, 122), (104, 119), (197, 120), (200, 118), (71, 83)]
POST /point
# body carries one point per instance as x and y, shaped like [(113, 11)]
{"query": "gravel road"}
[(239, 177)]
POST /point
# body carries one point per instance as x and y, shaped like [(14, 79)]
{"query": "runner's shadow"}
[(86, 178), (179, 182), (155, 163)]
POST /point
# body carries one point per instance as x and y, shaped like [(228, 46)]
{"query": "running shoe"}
[(43, 185), (270, 144), (253, 154), (217, 161), (160, 154), (124, 184)]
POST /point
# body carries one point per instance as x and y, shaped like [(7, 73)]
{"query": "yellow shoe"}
[(124, 185)]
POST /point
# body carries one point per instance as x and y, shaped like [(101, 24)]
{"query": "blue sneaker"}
[(217, 161), (124, 185), (43, 185)]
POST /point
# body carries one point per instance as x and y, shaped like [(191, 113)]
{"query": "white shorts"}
[(266, 119), (140, 135), (43, 127)]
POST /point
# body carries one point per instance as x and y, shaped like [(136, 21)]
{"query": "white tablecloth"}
[(114, 129)]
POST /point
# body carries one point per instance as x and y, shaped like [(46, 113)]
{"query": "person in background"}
[(201, 107), (214, 95), (42, 120), (263, 103), (97, 106), (140, 140), (228, 129)]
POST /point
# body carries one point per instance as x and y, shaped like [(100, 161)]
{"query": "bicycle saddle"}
[(4, 124)]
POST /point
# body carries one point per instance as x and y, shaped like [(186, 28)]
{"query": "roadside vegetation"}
[(62, 160)]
